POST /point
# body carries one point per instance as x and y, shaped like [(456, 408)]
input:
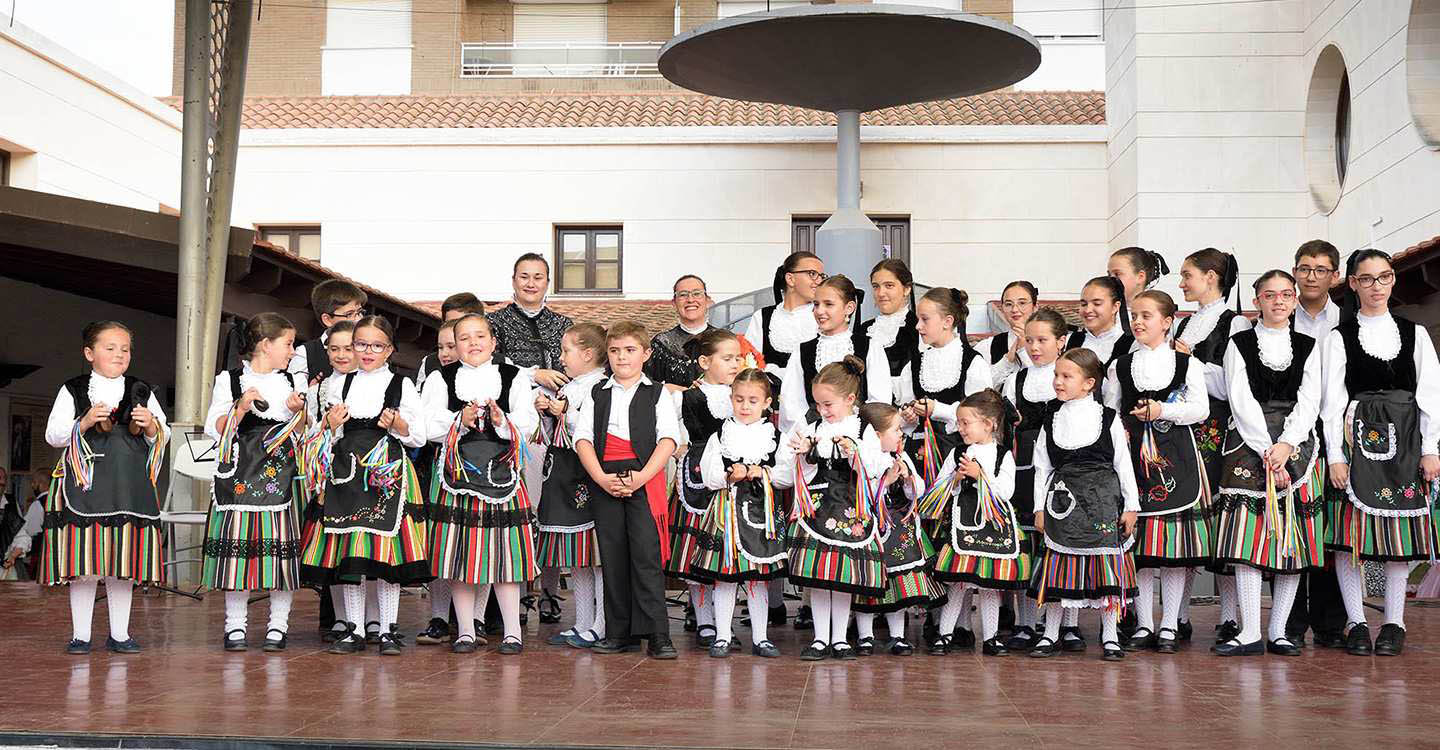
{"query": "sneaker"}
[(1390, 641), (436, 633)]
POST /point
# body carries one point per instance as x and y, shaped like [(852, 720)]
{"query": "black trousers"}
[(1318, 605), (630, 555)]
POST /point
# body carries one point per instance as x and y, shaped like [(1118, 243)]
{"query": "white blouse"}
[(1103, 344), (882, 332), (1277, 354), (367, 399), (828, 349), (788, 330), (1002, 368), (825, 447), (576, 394), (1380, 337), (667, 421), (1002, 483), (1077, 424), (743, 443), (479, 384), (1201, 324), (1039, 384), (940, 369), (274, 387), (1152, 370), (102, 390)]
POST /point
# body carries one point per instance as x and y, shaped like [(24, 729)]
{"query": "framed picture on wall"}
[(20, 442)]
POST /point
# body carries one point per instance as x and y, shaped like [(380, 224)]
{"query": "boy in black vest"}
[(625, 436)]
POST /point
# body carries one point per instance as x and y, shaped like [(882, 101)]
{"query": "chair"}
[(195, 461)]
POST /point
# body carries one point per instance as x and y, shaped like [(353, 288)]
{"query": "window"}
[(728, 8), (894, 234), (587, 259), (1327, 129), (367, 48), (1342, 128), (4, 168), (301, 241)]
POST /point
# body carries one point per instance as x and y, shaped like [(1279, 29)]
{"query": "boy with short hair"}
[(333, 300), (626, 434)]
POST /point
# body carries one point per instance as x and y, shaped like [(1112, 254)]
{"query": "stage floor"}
[(184, 685)]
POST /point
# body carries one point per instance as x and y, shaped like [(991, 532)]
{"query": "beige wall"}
[(640, 20), (435, 30), (284, 49)]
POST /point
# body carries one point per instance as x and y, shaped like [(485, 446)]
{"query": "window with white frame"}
[(303, 241), (728, 8), (367, 48), (1065, 19), (1071, 36)]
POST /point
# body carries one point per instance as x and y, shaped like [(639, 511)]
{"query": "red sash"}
[(620, 450)]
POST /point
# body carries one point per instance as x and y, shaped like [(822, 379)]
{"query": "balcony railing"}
[(560, 59)]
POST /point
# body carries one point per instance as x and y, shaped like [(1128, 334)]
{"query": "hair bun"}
[(853, 365)]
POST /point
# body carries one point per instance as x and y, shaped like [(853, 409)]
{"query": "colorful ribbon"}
[(804, 504), (81, 458), (929, 453), (931, 506), (381, 472)]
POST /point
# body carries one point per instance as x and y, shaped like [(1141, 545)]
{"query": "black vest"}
[(251, 419), (393, 392), (137, 393), (1032, 413), (1130, 394), (1211, 351), (699, 421), (1101, 451), (642, 418), (767, 349), (11, 521), (950, 395), (317, 360), (1366, 373), (507, 376), (907, 342), (808, 367), (1266, 384), (1122, 345), (1000, 346)]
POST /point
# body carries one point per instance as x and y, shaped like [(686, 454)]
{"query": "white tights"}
[(589, 600), (236, 616), (832, 615), (1352, 589), (118, 595)]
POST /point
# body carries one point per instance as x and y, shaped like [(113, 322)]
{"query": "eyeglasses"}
[(1313, 271), (1013, 305), (352, 316), (1286, 295), (365, 346), (816, 276), (1367, 281), (693, 294)]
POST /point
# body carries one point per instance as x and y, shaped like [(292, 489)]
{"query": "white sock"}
[(118, 596), (372, 601), (582, 585), (758, 597), (1352, 586), (950, 614), (1054, 615), (965, 607), (896, 622), (1108, 619), (702, 598), (440, 598), (1397, 576), (989, 613), (388, 598), (1025, 614), (82, 606), (1145, 600), (865, 625), (820, 608), (507, 595), (1172, 598), (355, 606), (1282, 597), (237, 604), (839, 615), (1072, 617), (280, 602), (599, 626), (1190, 574), (1247, 586), (337, 605), (724, 601), (1226, 586), (464, 597), (482, 599)]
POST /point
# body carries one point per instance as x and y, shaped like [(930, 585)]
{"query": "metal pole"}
[(848, 242), (189, 313), (847, 159), (222, 175)]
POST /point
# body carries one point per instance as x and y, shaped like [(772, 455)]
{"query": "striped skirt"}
[(567, 549), (246, 550), (327, 559), (131, 550), (1174, 540), (685, 533), (1100, 581), (1246, 537), (1372, 537), (908, 588), (818, 564), (472, 541), (988, 572)]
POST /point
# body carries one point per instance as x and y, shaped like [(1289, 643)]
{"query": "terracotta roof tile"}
[(370, 291), (655, 315), (650, 109), (1418, 250)]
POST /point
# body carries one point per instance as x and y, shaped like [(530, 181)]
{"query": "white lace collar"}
[(1153, 369), (1202, 322), (874, 458), (704, 326), (1379, 335), (477, 383), (832, 348), (1039, 383), (940, 365), (826, 432), (717, 398), (580, 386), (747, 443), (1275, 350), (885, 327), (1077, 423), (983, 454), (103, 390), (790, 328), (275, 388)]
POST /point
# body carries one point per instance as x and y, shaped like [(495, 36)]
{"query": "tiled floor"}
[(183, 684)]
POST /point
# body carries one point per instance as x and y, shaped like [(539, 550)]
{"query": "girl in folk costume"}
[(102, 515), (257, 413), (1272, 490), (835, 303), (1106, 320), (778, 329), (481, 523), (893, 328), (742, 533), (1160, 395), (437, 631), (1381, 413), (1086, 484), (566, 537), (907, 549), (373, 523), (702, 410), (1007, 349), (1032, 392), (1137, 269), (1206, 278), (835, 547), (984, 546)]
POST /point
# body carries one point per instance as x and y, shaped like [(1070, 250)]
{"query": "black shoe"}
[(661, 648), (77, 647), (481, 629), (611, 646), (994, 647), (705, 637), (328, 635), (1329, 640), (777, 615), (1226, 631), (1166, 645), (1357, 641), (372, 637), (350, 643), (436, 633), (129, 646), (275, 644), (842, 651), (492, 628), (1111, 651), (1143, 639), (1007, 618), (1128, 624), (816, 651), (690, 622), (1390, 641), (510, 646), (964, 639), (901, 647), (765, 649), (865, 647), (549, 607), (1075, 644), (1022, 639), (803, 619), (1283, 647), (720, 650), (940, 645), (1296, 639), (1234, 647), (1185, 631), (1043, 648), (390, 644), (234, 644), (930, 629), (463, 645)]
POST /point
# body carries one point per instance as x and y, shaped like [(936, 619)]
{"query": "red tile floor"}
[(183, 684)]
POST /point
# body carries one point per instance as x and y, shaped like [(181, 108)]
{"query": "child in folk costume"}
[(1084, 478), (1206, 278), (437, 631), (1105, 320), (836, 301), (1382, 431), (625, 435), (983, 546), (102, 515), (481, 523), (373, 524), (742, 532), (1160, 395), (257, 413), (835, 548), (1137, 269), (1007, 349), (1032, 392), (893, 328), (778, 329), (1272, 493), (702, 410), (566, 537)]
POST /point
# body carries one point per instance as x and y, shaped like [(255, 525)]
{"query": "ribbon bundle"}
[(318, 461), (81, 458), (381, 472), (867, 493), (931, 506), (226, 450), (804, 504), (930, 458), (1150, 450), (1281, 522)]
